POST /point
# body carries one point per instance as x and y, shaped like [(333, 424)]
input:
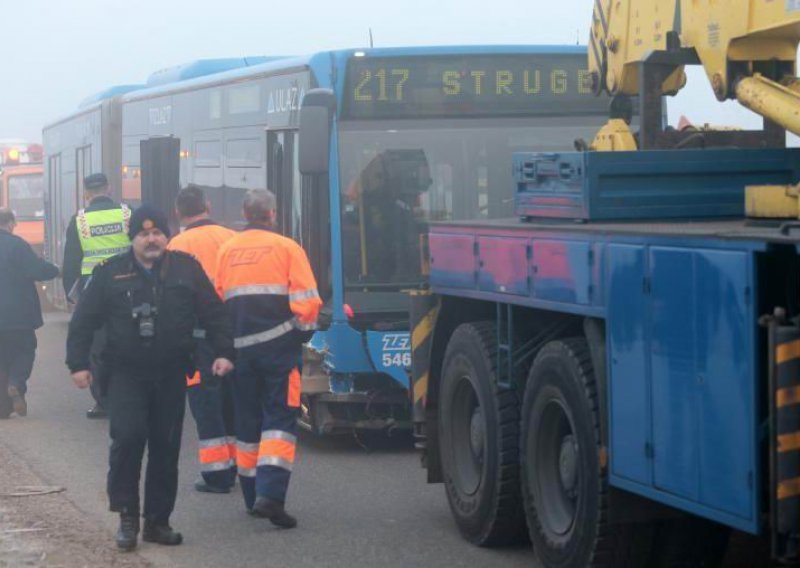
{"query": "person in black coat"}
[(20, 314), (150, 300)]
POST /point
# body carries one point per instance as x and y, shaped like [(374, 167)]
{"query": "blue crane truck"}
[(617, 368), (615, 371)]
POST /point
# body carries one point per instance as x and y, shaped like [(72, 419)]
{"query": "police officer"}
[(94, 234), (270, 290), (149, 299), (210, 398)]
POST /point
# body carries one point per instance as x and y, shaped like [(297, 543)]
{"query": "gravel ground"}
[(49, 530)]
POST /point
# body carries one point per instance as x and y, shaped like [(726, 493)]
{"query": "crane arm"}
[(748, 49)]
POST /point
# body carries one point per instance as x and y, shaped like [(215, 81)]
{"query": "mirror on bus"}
[(315, 128)]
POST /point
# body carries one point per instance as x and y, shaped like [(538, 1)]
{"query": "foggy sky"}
[(56, 52)]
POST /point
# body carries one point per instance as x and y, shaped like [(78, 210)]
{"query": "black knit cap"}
[(146, 217)]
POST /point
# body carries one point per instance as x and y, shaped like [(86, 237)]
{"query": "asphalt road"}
[(355, 508)]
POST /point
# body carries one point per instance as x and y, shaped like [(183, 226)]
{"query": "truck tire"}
[(479, 440), (565, 490)]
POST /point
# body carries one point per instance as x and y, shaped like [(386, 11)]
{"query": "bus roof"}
[(201, 68), (209, 72), (278, 64), (108, 93)]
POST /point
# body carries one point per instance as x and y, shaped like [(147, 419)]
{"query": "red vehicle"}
[(22, 190)]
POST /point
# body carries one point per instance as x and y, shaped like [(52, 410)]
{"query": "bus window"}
[(131, 174), (396, 178)]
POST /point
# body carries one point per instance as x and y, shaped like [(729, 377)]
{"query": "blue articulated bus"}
[(413, 135)]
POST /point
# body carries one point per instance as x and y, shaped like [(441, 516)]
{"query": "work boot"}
[(96, 412), (274, 511), (161, 533), (18, 400), (203, 487), (128, 531)]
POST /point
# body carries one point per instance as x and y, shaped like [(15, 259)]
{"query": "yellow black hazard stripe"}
[(786, 366), (424, 311)]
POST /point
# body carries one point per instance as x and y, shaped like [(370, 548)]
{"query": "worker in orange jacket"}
[(267, 283), (210, 396)]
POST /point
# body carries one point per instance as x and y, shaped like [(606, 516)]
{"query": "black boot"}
[(274, 511), (161, 533), (128, 531), (96, 412)]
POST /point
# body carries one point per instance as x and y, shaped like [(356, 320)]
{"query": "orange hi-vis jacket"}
[(266, 281), (202, 240)]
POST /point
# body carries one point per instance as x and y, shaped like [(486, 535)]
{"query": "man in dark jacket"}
[(149, 299), (20, 314)]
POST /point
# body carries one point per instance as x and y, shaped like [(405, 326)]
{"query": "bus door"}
[(83, 168), (160, 165), (284, 181)]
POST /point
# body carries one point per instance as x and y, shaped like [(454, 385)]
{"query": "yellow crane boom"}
[(748, 49)]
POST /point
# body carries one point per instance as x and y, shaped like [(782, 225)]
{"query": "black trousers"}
[(99, 386), (17, 354), (146, 408)]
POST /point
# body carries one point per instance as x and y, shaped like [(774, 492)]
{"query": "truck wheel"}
[(565, 491), (479, 440)]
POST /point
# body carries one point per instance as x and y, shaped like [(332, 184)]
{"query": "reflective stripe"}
[(245, 447), (198, 333), (294, 388), (278, 435), (104, 253), (246, 456), (215, 455), (217, 466), (256, 290), (213, 442), (246, 471), (304, 326), (277, 449), (264, 336), (275, 462), (304, 295)]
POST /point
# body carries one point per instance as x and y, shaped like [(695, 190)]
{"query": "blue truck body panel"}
[(682, 358), (680, 303)]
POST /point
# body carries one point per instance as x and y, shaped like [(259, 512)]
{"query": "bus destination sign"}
[(457, 85)]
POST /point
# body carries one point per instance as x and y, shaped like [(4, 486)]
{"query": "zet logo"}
[(396, 350)]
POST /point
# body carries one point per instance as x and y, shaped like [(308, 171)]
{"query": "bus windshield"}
[(26, 196), (396, 177)]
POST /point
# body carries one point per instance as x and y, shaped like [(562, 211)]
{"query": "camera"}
[(146, 314)]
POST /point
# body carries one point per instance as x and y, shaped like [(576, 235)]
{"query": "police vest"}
[(102, 234)]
